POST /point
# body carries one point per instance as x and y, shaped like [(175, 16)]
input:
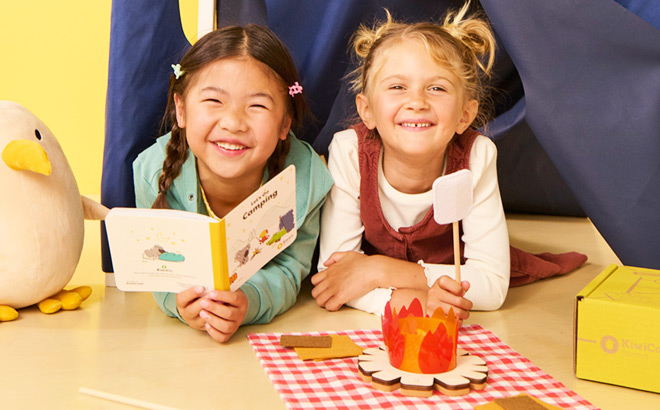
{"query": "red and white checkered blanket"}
[(336, 384)]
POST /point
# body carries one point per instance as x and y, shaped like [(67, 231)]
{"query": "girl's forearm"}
[(403, 297), (399, 274)]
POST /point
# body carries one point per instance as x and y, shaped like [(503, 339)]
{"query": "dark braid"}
[(177, 153)]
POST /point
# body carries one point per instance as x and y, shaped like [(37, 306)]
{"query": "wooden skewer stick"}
[(123, 399), (457, 252)]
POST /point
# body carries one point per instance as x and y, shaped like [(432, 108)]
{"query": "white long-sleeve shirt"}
[(484, 230)]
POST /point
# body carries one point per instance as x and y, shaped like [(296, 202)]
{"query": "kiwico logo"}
[(612, 345)]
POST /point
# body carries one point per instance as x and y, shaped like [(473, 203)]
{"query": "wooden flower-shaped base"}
[(471, 372)]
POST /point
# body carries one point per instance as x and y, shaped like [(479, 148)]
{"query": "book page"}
[(261, 227), (160, 250)]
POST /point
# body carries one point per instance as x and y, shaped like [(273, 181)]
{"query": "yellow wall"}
[(54, 61)]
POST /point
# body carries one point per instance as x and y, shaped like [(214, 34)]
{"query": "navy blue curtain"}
[(563, 146), (591, 75), (145, 38)]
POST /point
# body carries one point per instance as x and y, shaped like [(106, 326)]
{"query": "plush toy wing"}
[(93, 210)]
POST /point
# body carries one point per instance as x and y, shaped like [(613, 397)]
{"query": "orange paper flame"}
[(417, 343)]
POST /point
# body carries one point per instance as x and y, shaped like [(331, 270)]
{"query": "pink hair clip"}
[(295, 89)]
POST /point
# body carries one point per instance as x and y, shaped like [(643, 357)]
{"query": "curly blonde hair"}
[(464, 45)]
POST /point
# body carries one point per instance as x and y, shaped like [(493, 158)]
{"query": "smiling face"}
[(415, 104), (234, 114)]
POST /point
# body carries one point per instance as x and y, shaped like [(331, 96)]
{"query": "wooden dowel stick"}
[(125, 400), (457, 252)]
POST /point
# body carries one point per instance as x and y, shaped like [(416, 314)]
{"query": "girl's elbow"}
[(493, 305), (494, 302)]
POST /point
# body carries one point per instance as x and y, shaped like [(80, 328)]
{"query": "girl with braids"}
[(233, 101), (420, 94)]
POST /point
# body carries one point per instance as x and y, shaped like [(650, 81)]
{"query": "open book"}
[(166, 250)]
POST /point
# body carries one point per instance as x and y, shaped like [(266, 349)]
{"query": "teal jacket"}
[(273, 289)]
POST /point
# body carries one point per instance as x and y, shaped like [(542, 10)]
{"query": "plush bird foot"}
[(65, 300), (7, 314)]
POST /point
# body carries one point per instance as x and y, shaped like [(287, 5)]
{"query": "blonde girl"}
[(232, 103), (421, 92)]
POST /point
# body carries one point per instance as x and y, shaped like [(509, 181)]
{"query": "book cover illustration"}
[(165, 250)]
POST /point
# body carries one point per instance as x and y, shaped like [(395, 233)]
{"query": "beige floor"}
[(122, 344)]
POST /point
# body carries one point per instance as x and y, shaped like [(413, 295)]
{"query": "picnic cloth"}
[(336, 384)]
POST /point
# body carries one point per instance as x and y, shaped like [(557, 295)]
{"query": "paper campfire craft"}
[(421, 355), (417, 343)]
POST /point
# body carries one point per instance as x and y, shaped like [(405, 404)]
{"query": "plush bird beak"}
[(26, 155)]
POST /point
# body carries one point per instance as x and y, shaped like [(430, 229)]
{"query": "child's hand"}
[(448, 293), (219, 313), (223, 313), (347, 277), (187, 303)]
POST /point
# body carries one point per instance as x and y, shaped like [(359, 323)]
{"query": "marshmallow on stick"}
[(452, 201)]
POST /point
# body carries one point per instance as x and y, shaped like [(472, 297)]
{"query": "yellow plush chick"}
[(42, 226)]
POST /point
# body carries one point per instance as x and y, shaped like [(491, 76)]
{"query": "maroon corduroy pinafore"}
[(427, 240)]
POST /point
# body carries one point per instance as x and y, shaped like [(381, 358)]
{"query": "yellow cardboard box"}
[(617, 328)]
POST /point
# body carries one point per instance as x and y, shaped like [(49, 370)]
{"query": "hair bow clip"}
[(178, 72), (295, 89)]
